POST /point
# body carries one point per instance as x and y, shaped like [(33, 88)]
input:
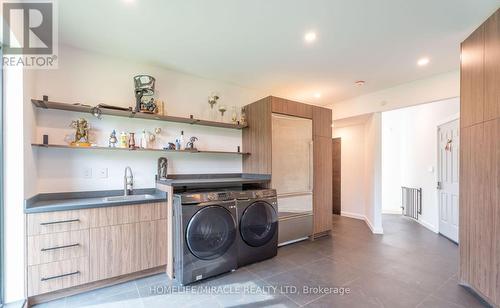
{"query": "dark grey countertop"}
[(214, 180), (50, 202)]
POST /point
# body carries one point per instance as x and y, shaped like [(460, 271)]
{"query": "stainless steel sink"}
[(129, 198)]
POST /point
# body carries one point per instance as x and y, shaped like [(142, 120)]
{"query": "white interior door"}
[(448, 185)]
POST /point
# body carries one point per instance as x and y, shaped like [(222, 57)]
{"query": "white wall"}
[(373, 166), (92, 78), (360, 162), (17, 179), (409, 137), (435, 88), (352, 169), (391, 162)]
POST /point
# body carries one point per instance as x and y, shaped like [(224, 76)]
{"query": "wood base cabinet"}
[(72, 248)]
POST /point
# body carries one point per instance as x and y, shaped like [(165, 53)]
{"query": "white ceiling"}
[(259, 44)]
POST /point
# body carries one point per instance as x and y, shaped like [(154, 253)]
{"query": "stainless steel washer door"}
[(210, 232), (258, 224)]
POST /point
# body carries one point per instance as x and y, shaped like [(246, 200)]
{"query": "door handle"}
[(438, 186)]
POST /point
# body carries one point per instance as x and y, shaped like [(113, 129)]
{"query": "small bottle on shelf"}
[(123, 140), (181, 140)]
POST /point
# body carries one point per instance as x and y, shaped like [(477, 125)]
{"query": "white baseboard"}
[(374, 230), (352, 215), (362, 217), (391, 212), (428, 226)]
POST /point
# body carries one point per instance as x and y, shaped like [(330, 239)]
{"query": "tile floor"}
[(408, 266)]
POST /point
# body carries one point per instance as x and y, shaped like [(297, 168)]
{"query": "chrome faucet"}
[(128, 182)]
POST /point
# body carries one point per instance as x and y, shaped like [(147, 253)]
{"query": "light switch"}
[(87, 173), (103, 173)]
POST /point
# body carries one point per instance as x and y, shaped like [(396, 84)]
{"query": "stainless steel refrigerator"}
[(292, 176)]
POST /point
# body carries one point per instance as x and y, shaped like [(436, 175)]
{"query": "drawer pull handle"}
[(59, 276), (60, 247), (58, 222)]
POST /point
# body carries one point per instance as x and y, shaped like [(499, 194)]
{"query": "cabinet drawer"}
[(57, 246), (52, 222), (57, 275), (126, 214)]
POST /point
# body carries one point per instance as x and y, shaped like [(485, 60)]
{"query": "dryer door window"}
[(210, 232), (258, 224)]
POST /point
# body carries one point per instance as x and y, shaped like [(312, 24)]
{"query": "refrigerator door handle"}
[(311, 165)]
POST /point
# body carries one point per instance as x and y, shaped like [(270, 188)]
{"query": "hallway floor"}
[(408, 266)]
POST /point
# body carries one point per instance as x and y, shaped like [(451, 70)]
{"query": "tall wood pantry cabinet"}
[(479, 225)]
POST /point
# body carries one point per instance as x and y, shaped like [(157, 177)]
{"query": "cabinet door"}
[(48, 277), (322, 191), (126, 214), (322, 122), (291, 108), (472, 79), (114, 251), (59, 246), (153, 243), (492, 67), (59, 221)]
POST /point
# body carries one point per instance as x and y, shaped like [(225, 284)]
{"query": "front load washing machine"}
[(205, 235), (257, 225)]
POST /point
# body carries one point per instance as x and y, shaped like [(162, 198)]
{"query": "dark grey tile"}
[(58, 303), (271, 267), (352, 299), (389, 292), (122, 300), (332, 273), (181, 299), (299, 255), (295, 284), (158, 279), (433, 302), (415, 277)]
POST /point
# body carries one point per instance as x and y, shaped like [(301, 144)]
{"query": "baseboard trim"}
[(398, 212), (428, 226), (362, 217), (352, 215), (374, 230)]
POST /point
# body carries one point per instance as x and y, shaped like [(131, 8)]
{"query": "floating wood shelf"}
[(62, 146), (45, 104)]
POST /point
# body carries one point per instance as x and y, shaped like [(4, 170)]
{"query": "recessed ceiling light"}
[(423, 61), (128, 1), (317, 95), (359, 83), (310, 37)]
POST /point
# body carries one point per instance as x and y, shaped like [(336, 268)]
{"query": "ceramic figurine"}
[(243, 116), (162, 168), (112, 139), (190, 144), (82, 133)]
